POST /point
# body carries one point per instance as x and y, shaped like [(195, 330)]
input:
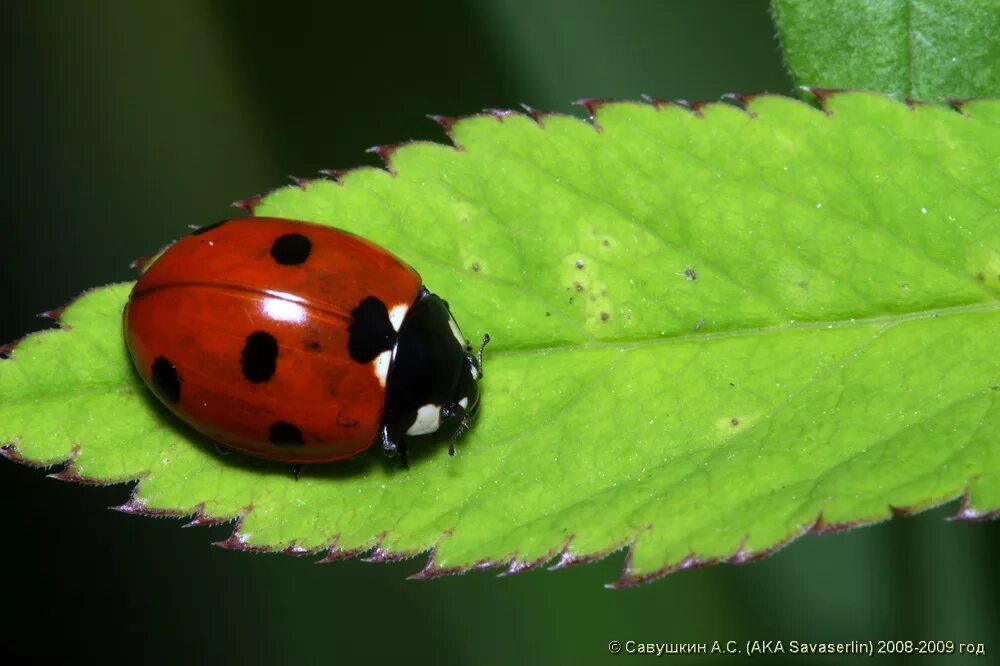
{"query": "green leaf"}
[(917, 49), (714, 330)]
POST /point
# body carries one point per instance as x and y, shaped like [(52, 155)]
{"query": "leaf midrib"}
[(793, 326)]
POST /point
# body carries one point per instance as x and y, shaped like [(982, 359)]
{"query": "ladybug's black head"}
[(432, 387)]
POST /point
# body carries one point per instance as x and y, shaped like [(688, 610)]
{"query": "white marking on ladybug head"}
[(474, 372), (396, 315), (454, 331), (464, 402), (428, 420), (381, 366)]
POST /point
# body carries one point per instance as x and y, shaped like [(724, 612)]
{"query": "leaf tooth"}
[(447, 123), (654, 102), (966, 513), (741, 101), (249, 204), (385, 153), (431, 570), (11, 453), (7, 349), (592, 105), (901, 511), (294, 548), (694, 106), (336, 175), (240, 541), (535, 114), (335, 554), (566, 559), (630, 579), (380, 554), (69, 473), (140, 263), (958, 104), (500, 114), (823, 95), (202, 519), (516, 566), (55, 314), (136, 506), (821, 527), (300, 181)]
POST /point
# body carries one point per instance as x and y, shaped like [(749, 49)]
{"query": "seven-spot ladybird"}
[(297, 342)]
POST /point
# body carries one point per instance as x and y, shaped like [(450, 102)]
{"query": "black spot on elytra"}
[(200, 230), (371, 332), (166, 380), (291, 249), (260, 357), (284, 433)]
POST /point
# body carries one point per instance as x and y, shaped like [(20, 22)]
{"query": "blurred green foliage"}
[(126, 121)]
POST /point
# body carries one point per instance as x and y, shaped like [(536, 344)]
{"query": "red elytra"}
[(279, 338)]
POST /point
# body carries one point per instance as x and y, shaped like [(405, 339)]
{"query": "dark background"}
[(127, 121)]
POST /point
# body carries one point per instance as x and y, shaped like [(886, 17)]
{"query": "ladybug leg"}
[(392, 447), (297, 470)]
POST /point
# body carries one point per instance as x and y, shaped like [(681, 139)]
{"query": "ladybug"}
[(301, 343)]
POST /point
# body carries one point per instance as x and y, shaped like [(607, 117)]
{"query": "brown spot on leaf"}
[(734, 422), (691, 274), (605, 316), (475, 267)]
